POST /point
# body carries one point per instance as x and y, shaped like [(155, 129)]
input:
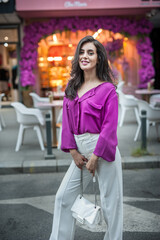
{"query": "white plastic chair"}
[(120, 85), (127, 102), (2, 122), (37, 99), (153, 100), (153, 117), (28, 118)]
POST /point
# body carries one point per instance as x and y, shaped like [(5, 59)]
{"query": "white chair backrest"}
[(153, 100), (120, 85), (36, 99), (127, 100), (28, 115), (152, 113)]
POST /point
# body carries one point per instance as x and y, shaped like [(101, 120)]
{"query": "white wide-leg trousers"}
[(109, 176)]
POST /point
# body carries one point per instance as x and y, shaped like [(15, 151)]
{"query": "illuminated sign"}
[(69, 4)]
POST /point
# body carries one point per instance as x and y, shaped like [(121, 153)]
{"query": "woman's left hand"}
[(91, 165)]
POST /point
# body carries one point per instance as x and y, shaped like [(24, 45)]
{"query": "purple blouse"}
[(95, 112)]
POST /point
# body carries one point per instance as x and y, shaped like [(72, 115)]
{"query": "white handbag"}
[(84, 211)]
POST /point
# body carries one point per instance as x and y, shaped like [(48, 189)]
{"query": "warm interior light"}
[(125, 39), (55, 38), (70, 45), (6, 38), (50, 59), (41, 59), (41, 64), (69, 58)]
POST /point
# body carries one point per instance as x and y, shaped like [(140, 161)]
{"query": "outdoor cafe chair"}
[(127, 102), (28, 118), (2, 122), (152, 117), (37, 99), (120, 85), (155, 100)]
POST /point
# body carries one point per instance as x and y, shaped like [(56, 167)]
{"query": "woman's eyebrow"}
[(87, 49), (92, 50)]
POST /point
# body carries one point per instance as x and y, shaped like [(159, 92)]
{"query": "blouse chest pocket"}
[(93, 109)]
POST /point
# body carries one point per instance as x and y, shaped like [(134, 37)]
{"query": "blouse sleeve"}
[(107, 141), (67, 138)]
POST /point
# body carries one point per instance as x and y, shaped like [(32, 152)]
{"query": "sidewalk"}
[(30, 159)]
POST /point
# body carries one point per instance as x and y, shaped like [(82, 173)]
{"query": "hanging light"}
[(6, 44), (5, 38), (95, 35)]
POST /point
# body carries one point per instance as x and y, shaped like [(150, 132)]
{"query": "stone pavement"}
[(30, 159)]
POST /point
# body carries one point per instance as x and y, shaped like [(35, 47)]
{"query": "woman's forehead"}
[(88, 45)]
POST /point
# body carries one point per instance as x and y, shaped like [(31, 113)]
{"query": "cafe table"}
[(59, 95), (145, 93), (52, 105)]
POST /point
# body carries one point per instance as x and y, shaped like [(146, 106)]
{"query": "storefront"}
[(52, 31), (9, 50)]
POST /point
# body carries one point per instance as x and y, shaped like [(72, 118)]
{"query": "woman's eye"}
[(81, 52)]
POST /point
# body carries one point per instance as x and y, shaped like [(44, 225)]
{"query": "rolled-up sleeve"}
[(67, 137), (107, 141)]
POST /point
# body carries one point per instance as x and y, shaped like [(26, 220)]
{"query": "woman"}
[(89, 133)]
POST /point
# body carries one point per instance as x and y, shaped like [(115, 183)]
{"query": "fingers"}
[(80, 163), (92, 172), (84, 159)]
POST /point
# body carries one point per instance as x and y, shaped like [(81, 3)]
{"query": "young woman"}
[(89, 133)]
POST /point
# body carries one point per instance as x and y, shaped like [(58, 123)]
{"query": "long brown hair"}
[(103, 70)]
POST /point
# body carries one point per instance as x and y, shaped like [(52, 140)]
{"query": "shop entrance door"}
[(9, 63)]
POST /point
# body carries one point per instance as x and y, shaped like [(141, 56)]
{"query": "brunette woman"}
[(89, 134)]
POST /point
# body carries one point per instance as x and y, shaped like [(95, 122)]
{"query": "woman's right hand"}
[(79, 159)]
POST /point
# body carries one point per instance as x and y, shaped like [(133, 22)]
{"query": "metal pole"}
[(143, 130), (49, 154)]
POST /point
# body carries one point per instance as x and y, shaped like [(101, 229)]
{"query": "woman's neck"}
[(90, 77)]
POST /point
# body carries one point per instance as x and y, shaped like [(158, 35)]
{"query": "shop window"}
[(55, 53)]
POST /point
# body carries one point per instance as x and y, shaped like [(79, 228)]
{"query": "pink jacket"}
[(95, 112)]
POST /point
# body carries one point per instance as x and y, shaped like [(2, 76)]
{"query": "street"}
[(27, 202)]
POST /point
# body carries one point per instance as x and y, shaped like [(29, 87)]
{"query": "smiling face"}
[(88, 56)]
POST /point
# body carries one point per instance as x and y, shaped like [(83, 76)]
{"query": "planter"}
[(27, 99)]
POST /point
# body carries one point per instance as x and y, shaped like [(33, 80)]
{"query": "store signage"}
[(69, 4)]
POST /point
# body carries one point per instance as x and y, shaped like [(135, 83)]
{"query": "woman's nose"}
[(85, 54)]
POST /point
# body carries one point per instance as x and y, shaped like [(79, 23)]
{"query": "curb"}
[(61, 165)]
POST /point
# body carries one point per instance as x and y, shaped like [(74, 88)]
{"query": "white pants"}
[(109, 176)]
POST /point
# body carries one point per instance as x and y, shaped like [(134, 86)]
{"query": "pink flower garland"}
[(146, 72), (35, 31)]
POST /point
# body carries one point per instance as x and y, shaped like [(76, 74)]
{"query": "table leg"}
[(145, 97), (54, 143)]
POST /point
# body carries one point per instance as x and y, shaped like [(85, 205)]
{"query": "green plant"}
[(140, 152)]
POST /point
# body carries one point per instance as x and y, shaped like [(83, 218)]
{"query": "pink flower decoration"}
[(36, 30)]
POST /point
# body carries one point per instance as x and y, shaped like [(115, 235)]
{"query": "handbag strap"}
[(94, 187)]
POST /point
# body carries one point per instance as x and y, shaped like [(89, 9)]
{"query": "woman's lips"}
[(84, 62)]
